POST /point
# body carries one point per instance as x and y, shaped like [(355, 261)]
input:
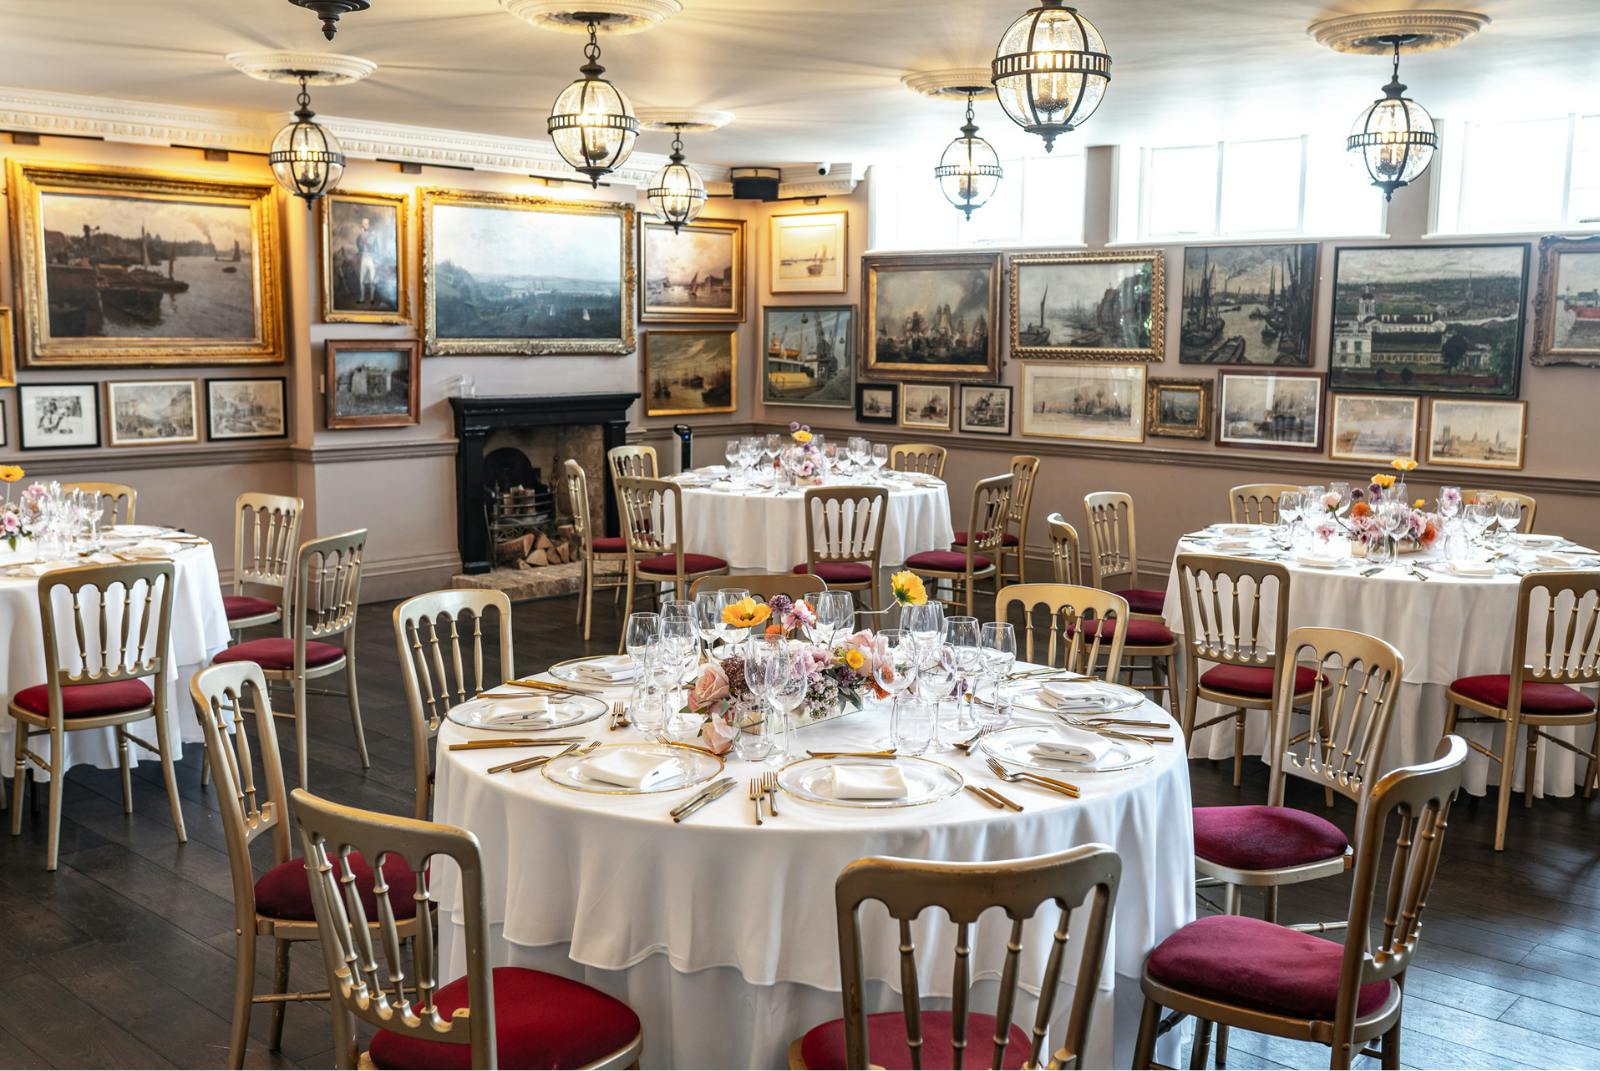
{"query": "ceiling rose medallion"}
[(330, 10)]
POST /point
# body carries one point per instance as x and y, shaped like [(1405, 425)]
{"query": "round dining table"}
[(721, 933)]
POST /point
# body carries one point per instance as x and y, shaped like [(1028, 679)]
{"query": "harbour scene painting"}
[(1475, 434), (1077, 306), (1373, 427), (1282, 409), (1248, 304), (1568, 307), (810, 356), (695, 274), (1088, 401), (689, 372), (932, 316), (808, 253)]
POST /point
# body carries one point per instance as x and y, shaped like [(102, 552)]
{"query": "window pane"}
[(1513, 175), (1181, 191), (1340, 197), (1052, 200), (1261, 186), (1000, 219), (1584, 203)]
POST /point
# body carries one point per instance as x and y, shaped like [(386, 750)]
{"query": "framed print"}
[(877, 403), (687, 372), (119, 267), (1178, 409), (8, 353), (1248, 304), (1476, 434), (57, 416), (810, 355), (1089, 306), (809, 252), (246, 409), (364, 258), (1104, 402), (1274, 410), (1566, 311), (985, 409), (3, 432), (1373, 427), (925, 406), (693, 275), (152, 412), (1441, 319), (932, 317), (509, 274), (372, 384)]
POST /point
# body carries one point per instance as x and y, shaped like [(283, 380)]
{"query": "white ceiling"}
[(809, 80)]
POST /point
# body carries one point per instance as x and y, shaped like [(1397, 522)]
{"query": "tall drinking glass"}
[(925, 623), (755, 740), (771, 447), (1289, 511), (676, 650), (894, 663), (999, 647), (640, 635), (965, 637), (916, 726), (788, 680), (836, 615), (880, 456), (937, 674), (1509, 512)]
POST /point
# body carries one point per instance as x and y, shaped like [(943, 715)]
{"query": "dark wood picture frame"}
[(974, 429), (1319, 421), (211, 408), (337, 421), (894, 403), (92, 393)]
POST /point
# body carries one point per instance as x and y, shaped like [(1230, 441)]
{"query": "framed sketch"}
[(688, 372), (925, 406), (1273, 410), (1476, 434), (810, 355), (809, 252), (1248, 304), (1103, 402), (372, 384), (1178, 409), (985, 409), (8, 353), (1443, 319), (246, 409), (1089, 306), (152, 412), (364, 258), (695, 275), (1373, 427), (57, 416), (122, 267), (877, 403), (509, 274), (1566, 312), (932, 317)]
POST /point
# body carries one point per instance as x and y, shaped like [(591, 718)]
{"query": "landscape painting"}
[(695, 274), (1428, 320), (1567, 316), (1373, 427), (364, 277), (506, 274), (1088, 306), (809, 252), (1178, 409), (1282, 410), (689, 372), (373, 384), (932, 317), (153, 412), (1474, 434), (1084, 401), (1248, 304), (877, 403), (810, 355), (246, 409)]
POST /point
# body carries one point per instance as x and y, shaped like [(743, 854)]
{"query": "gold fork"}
[(769, 785), (755, 797)]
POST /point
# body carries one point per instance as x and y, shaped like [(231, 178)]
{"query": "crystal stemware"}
[(999, 654)]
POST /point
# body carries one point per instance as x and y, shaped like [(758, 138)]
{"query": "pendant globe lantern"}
[(1050, 70), (592, 122), (306, 159), (677, 192), (970, 171), (1395, 137)]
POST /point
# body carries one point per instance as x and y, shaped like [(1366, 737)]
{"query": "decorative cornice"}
[(803, 181), (80, 462)]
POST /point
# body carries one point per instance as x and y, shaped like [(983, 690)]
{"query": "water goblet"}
[(937, 674), (730, 451), (1289, 511), (1508, 515), (755, 740), (676, 650), (788, 680), (639, 638), (836, 613), (915, 726), (999, 654)]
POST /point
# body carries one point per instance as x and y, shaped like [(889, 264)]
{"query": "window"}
[(1039, 202), (1529, 175)]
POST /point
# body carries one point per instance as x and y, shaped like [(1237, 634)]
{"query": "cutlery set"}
[(714, 791), (1036, 780), (540, 760), (993, 798)]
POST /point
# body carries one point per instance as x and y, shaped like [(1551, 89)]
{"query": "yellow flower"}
[(746, 613), (854, 659), (11, 473), (1403, 464), (1383, 479), (1420, 504), (908, 589), (802, 437)]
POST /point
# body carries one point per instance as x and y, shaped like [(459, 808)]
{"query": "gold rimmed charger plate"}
[(1025, 694), (570, 709), (567, 671), (934, 781), (1013, 748), (565, 769)]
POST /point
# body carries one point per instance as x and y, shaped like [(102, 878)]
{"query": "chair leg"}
[(1191, 700), (1531, 762), (1508, 756), (1451, 711), (1593, 773), (1389, 1048), (169, 774), (969, 594), (127, 770), (1144, 1046), (586, 609), (355, 708), (1238, 746), (627, 612), (1200, 1050), (299, 685), (205, 768), (244, 981), (19, 778), (280, 984), (1271, 913), (58, 773)]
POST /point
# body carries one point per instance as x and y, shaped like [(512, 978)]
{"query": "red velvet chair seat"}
[(1008, 539), (610, 545), (838, 572), (1265, 838), (284, 893), (823, 1046), (1494, 689), (1141, 632), (1144, 600), (237, 606), (946, 561), (277, 652), (667, 564), (1254, 681), (540, 1020), (1258, 965), (88, 700)]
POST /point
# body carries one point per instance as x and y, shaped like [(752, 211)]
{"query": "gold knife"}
[(886, 754), (717, 790), (521, 741)]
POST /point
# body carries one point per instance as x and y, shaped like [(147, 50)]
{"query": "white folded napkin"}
[(1072, 695), (608, 669), (631, 769), (1233, 544), (1071, 745), (1531, 540), (1237, 529), (527, 711), (1552, 560), (1318, 562), (135, 531), (153, 547), (35, 568), (868, 783), (1471, 568)]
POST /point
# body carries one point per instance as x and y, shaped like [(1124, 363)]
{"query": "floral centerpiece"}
[(1363, 519), (802, 458), (19, 519)]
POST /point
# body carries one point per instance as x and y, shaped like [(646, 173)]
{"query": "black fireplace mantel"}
[(477, 417)]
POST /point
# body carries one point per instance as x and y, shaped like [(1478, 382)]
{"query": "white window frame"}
[(1456, 167)]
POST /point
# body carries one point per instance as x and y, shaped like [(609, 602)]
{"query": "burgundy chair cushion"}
[(237, 606), (946, 561), (1141, 632), (1258, 965), (1495, 690), (1144, 601), (823, 1046), (284, 893), (277, 652), (1009, 539), (1253, 681), (692, 563), (610, 545), (837, 572), (1264, 838), (540, 1020), (87, 700)]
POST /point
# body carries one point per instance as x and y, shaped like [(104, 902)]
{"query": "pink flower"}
[(1332, 499), (710, 688), (718, 735)]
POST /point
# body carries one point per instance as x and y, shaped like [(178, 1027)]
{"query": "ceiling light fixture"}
[(677, 193), (1051, 70), (330, 10), (592, 122), (970, 171), (1394, 137), (305, 158)]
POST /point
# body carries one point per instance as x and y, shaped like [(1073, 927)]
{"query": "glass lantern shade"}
[(1050, 70), (677, 193), (969, 172), (593, 126), (1395, 141), (306, 159)]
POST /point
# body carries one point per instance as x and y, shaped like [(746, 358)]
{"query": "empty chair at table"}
[(979, 558), (115, 501), (1013, 558), (632, 461), (594, 547), (652, 523), (266, 534), (1114, 564), (926, 459), (844, 537), (1081, 626), (1528, 504), (762, 586), (1256, 503)]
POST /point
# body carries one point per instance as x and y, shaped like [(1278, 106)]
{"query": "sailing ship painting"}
[(808, 252), (932, 317), (809, 356), (1087, 305), (1248, 304), (689, 371), (694, 274)]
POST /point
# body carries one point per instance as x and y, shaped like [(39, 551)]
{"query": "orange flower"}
[(1403, 464), (774, 631), (1360, 509), (746, 613)]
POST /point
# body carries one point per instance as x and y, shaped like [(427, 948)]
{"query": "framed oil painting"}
[(1089, 306), (1476, 434), (1566, 313), (1248, 304), (932, 317), (1428, 320), (372, 384), (152, 412), (1373, 427), (364, 258), (57, 416), (1272, 410), (877, 403), (120, 268), (925, 406), (246, 409), (509, 274), (1178, 409), (809, 253), (985, 409), (687, 372), (8, 352), (695, 275), (810, 355), (1103, 402)]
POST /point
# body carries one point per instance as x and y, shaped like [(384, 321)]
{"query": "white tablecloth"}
[(721, 934)]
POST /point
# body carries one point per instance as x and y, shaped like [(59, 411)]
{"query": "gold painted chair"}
[(428, 635), (762, 586), (1529, 504), (107, 629), (327, 590), (1084, 879), (924, 458), (266, 533), (979, 559), (844, 538), (1013, 545), (1078, 621), (1064, 550), (518, 1017), (115, 500), (1237, 971), (638, 461), (1114, 551), (1541, 691), (595, 548), (1147, 636), (651, 509), (1256, 503)]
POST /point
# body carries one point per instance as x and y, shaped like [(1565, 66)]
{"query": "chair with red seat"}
[(925, 459), (1013, 549), (1248, 973), (979, 558), (266, 532), (1114, 551), (107, 630), (1553, 653), (762, 586), (1082, 626), (1084, 879), (844, 538), (594, 549), (518, 1017), (652, 523)]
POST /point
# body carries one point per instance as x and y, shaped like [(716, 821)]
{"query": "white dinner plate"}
[(521, 714), (1097, 697), (136, 531), (699, 766), (926, 781), (568, 671), (1014, 747)]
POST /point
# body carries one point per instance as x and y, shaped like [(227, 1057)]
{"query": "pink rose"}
[(710, 688), (718, 735)]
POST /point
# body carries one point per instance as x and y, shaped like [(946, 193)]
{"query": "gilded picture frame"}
[(694, 254), (691, 371), (1178, 408), (1566, 325), (1125, 288), (907, 297), (131, 419), (8, 349), (372, 383), (1449, 419), (809, 253), (340, 258)]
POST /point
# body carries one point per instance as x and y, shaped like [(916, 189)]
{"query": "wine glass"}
[(999, 653), (880, 456), (676, 648), (937, 673), (755, 741), (1449, 503), (856, 448), (1289, 510), (1342, 489), (731, 635), (788, 680), (1509, 515), (1481, 515), (730, 451), (640, 635), (708, 618), (1396, 518), (894, 661), (836, 615), (771, 447), (966, 639), (925, 622)]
